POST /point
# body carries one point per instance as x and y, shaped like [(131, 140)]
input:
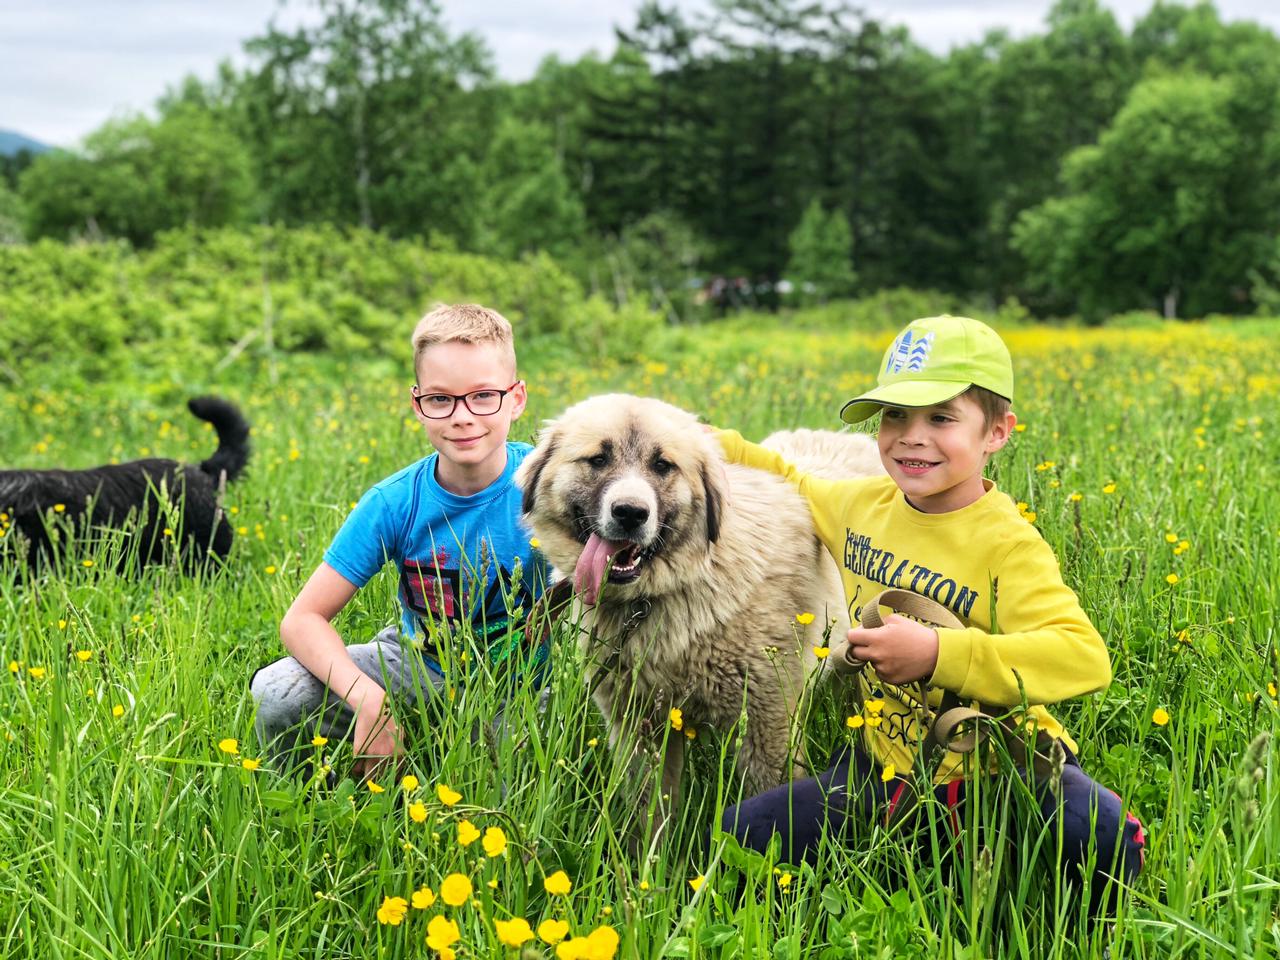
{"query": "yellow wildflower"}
[(821, 652), (393, 910), (423, 898), (874, 706), (250, 765), (269, 569), (784, 881), (1171, 579), (319, 741), (442, 933), (443, 793), (874, 722), (37, 672), (118, 710), (418, 812), (677, 718), (467, 833), (513, 932), (552, 931), (229, 745), (697, 882), (375, 787), (853, 723), (558, 884), (1109, 488), (535, 542), (804, 619), (494, 842), (14, 666), (1170, 538), (59, 507), (888, 773), (455, 889), (1076, 497), (1160, 717), (83, 655)]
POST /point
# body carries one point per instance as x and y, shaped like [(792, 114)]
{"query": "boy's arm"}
[(818, 491), (1043, 635), (308, 634)]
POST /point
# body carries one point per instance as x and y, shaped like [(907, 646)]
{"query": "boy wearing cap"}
[(937, 527)]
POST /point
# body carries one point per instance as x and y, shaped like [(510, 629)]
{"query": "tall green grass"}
[(138, 836)]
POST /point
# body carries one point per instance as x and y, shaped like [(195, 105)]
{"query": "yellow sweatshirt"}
[(987, 565)]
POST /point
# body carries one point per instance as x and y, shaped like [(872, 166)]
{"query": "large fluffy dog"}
[(49, 511), (691, 590)]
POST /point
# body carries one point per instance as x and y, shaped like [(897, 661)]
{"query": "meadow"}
[(139, 819)]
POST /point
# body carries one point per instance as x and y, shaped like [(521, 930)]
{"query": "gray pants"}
[(292, 701), (294, 705)]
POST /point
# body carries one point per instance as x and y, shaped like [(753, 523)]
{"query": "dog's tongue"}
[(588, 575)]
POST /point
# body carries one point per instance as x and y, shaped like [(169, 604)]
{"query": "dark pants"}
[(1092, 819)]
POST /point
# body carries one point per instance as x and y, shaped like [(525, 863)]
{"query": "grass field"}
[(129, 829)]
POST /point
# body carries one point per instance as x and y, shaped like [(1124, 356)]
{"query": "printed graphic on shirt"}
[(437, 593), (888, 569)]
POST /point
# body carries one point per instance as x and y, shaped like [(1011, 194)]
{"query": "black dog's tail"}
[(233, 436)]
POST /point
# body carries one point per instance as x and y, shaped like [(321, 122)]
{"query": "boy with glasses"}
[(450, 524)]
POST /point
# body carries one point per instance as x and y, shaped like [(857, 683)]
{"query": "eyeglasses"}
[(482, 403)]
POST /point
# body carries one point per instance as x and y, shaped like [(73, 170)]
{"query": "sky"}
[(67, 66)]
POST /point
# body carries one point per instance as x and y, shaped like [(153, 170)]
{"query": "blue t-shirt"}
[(461, 559)]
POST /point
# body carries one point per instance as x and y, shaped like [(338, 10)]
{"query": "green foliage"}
[(10, 215), (138, 177), (821, 263), (211, 294), (1164, 212)]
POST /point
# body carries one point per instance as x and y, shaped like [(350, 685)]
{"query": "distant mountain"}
[(11, 143)]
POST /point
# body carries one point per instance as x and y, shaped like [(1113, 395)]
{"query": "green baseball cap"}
[(933, 360)]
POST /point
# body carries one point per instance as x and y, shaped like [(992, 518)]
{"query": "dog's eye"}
[(662, 467), (599, 460)]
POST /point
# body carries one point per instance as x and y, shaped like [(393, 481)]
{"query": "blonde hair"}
[(463, 323)]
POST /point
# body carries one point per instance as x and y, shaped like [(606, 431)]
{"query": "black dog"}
[(160, 505)]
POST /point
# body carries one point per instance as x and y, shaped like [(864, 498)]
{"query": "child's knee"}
[(1094, 819)]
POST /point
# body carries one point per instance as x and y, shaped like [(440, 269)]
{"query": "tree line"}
[(768, 150)]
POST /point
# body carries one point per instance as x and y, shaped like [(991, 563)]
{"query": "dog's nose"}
[(630, 515)]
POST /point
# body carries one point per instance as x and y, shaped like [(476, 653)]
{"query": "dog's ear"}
[(713, 485), (530, 471)]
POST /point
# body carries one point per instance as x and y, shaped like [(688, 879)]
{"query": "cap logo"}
[(909, 353)]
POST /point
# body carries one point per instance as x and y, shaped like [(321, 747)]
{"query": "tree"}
[(366, 117), (137, 177), (1167, 210), (821, 246), (527, 203)]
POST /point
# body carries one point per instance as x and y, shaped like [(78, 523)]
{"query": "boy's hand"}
[(901, 651), (376, 739)]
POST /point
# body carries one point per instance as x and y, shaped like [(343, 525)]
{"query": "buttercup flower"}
[(1160, 717), (393, 910), (455, 889), (417, 812), (494, 842), (1171, 579), (375, 787), (319, 741), (118, 710), (83, 655), (804, 619), (558, 884), (784, 881), (37, 672), (513, 932), (250, 765), (853, 723), (677, 718), (423, 898), (229, 745), (410, 782), (888, 773), (467, 833), (697, 882), (442, 933), (444, 794), (821, 652), (552, 931), (600, 944)]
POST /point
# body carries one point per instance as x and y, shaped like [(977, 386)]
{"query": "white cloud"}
[(68, 65)]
